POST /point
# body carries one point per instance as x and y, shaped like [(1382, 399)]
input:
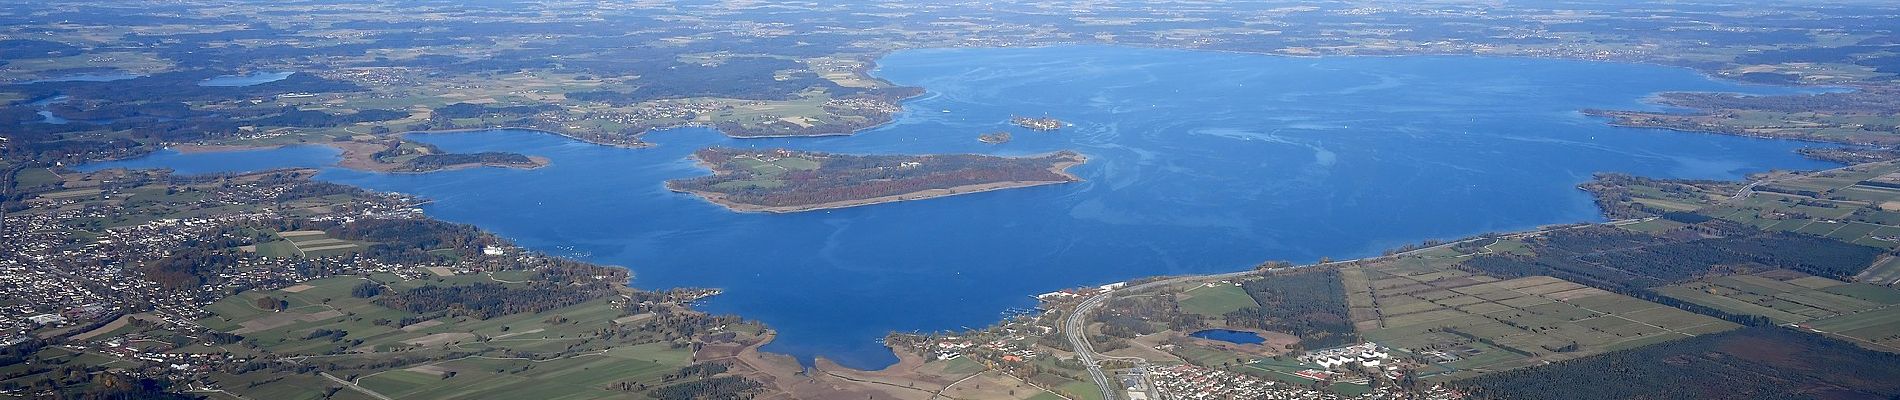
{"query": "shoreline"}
[(352, 156), (226, 148), (1615, 119), (1059, 168)]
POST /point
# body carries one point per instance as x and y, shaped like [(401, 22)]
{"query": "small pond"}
[(1229, 336)]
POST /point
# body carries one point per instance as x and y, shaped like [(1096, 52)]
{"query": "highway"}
[(1074, 324)]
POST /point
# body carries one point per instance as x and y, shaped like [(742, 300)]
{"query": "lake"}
[(1199, 162), (254, 78)]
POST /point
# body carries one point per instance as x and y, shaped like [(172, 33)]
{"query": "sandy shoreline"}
[(1060, 168)]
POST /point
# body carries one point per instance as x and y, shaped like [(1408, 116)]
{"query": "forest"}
[(488, 300), (1677, 261), (1765, 362), (406, 240), (432, 162), (721, 388), (1308, 304), (1627, 262)]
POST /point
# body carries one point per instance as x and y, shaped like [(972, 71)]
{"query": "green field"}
[(1860, 312), (1215, 300), (1786, 297), (578, 377), (1877, 329), (766, 171)]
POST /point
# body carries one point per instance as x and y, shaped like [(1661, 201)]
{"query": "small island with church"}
[(783, 181)]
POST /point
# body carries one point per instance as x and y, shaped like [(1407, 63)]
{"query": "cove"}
[(1199, 162)]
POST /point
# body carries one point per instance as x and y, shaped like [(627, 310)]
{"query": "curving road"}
[(354, 386), (1074, 324)]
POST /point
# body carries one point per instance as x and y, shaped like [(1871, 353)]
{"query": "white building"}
[(46, 319)]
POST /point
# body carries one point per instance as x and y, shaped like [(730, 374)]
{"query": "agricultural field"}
[(1848, 204), (1474, 324), (307, 244), (1783, 296), (1862, 313)]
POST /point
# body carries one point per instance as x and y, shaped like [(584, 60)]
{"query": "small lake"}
[(1198, 162), (245, 80), (1229, 336)]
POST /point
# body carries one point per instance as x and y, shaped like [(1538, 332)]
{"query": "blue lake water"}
[(1199, 162), (308, 156), (1229, 336), (245, 80)]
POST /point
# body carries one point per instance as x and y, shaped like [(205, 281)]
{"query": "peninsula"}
[(399, 156), (782, 181)]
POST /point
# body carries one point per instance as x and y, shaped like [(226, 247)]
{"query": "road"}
[(1750, 188), (1073, 324), (7, 180), (352, 385)]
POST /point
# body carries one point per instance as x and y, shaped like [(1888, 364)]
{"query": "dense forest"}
[(488, 300), (407, 240), (1750, 363), (557, 283), (721, 388), (1626, 261), (1308, 304), (1810, 254)]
